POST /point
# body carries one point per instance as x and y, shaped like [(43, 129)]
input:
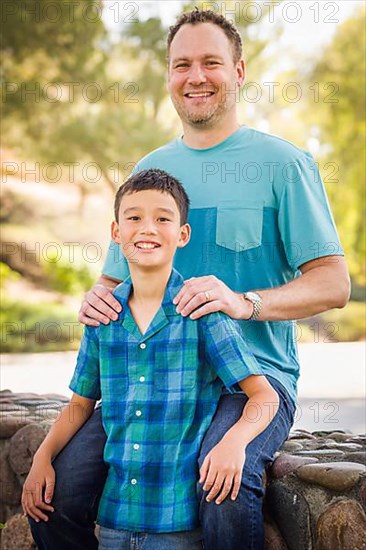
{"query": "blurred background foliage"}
[(76, 95)]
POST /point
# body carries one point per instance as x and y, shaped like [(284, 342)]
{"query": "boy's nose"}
[(149, 228)]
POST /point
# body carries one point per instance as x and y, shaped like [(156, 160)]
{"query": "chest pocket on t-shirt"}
[(239, 224)]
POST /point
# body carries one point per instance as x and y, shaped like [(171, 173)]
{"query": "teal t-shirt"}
[(258, 211)]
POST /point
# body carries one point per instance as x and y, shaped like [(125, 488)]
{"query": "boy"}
[(160, 377)]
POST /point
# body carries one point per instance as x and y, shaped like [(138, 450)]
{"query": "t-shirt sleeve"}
[(225, 350), (86, 377), (115, 265), (305, 220)]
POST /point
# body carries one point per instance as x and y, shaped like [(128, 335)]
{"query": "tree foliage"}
[(341, 123)]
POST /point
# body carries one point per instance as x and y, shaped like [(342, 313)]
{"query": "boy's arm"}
[(222, 469), (42, 475)]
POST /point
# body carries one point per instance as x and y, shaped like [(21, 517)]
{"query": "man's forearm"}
[(320, 288), (108, 282)]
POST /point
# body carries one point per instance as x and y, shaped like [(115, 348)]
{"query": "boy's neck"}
[(149, 285)]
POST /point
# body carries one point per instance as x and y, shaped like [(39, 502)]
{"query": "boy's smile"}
[(149, 228)]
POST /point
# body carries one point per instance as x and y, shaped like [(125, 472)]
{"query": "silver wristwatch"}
[(257, 304)]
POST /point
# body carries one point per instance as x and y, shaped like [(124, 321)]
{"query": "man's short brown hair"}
[(208, 16)]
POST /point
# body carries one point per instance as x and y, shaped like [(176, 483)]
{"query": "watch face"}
[(252, 296)]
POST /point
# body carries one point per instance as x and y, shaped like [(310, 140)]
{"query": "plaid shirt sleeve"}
[(86, 378), (225, 349)]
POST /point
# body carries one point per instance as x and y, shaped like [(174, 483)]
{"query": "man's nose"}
[(196, 75)]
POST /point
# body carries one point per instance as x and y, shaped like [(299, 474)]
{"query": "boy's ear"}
[(115, 232), (185, 235)]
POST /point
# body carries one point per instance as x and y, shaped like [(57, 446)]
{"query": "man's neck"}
[(204, 138)]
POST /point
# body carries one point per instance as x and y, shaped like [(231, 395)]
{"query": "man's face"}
[(149, 229), (202, 76)]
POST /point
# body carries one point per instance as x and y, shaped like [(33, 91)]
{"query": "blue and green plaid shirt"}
[(160, 391)]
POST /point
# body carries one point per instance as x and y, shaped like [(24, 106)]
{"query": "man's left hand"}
[(202, 295)]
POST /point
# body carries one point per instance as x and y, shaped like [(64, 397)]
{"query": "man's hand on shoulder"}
[(99, 304), (202, 295)]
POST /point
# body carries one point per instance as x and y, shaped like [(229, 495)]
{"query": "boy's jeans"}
[(238, 525), (111, 539)]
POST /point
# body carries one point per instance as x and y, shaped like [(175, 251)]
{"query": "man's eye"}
[(213, 63), (181, 65)]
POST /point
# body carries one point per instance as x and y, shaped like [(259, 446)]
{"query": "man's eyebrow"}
[(205, 56)]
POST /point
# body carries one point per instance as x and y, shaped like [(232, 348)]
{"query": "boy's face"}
[(149, 229)]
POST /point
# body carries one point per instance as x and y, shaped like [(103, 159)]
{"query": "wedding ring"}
[(207, 294)]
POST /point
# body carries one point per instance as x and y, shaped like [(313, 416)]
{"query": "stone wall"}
[(315, 489)]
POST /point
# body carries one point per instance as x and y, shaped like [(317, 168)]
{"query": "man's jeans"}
[(110, 539), (231, 525)]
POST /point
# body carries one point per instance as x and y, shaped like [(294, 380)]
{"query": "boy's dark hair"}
[(208, 16), (158, 180)]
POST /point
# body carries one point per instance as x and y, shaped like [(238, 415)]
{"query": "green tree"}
[(340, 118)]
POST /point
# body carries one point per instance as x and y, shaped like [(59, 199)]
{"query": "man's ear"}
[(185, 235), (240, 71), (115, 232)]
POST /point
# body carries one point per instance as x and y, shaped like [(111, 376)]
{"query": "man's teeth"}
[(200, 94), (146, 245)]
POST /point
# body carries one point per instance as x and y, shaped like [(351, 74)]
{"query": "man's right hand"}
[(99, 306)]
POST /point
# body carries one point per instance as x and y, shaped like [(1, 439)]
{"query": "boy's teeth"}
[(146, 245)]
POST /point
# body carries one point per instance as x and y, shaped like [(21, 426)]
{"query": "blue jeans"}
[(238, 525), (111, 539)]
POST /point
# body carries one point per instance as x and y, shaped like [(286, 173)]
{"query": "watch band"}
[(256, 300)]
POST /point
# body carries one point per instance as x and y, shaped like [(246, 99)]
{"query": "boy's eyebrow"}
[(168, 210)]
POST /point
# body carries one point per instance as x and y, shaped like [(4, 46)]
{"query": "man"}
[(265, 250)]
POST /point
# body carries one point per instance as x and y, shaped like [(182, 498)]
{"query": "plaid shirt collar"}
[(161, 319)]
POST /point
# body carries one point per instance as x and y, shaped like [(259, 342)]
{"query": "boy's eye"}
[(163, 219), (133, 218)]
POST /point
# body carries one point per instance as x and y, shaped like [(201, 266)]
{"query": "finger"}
[(37, 500), (49, 491), (191, 288), (31, 509), (209, 307), (182, 290), (204, 470), (228, 483), (196, 301), (107, 296), (236, 487), (216, 487), (87, 320), (99, 304), (93, 313), (210, 479)]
